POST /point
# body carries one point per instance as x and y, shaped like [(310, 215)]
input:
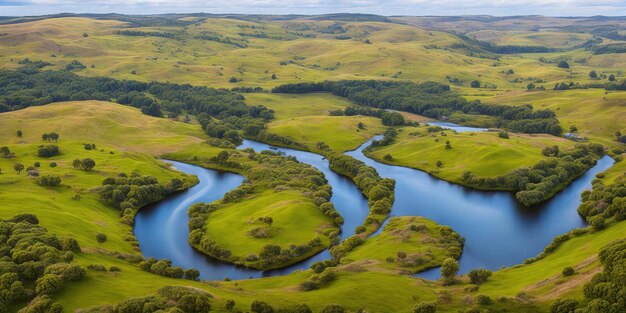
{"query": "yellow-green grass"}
[(288, 106), (106, 124), (543, 278), (483, 153), (79, 123), (402, 51), (597, 114), (296, 220), (341, 133), (617, 170), (528, 38), (423, 242)]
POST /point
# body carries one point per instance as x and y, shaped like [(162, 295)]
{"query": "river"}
[(498, 231)]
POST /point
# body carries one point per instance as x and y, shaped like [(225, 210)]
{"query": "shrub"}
[(101, 238), (261, 307), (479, 276), (46, 151), (568, 271), (564, 306), (332, 308), (483, 300), (425, 307)]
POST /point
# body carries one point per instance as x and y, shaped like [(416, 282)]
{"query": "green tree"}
[(612, 78), (332, 308), (19, 133), (449, 268), (48, 284), (475, 84), (18, 167), (479, 276), (87, 164), (563, 64), (101, 238), (593, 75), (261, 307), (192, 274)]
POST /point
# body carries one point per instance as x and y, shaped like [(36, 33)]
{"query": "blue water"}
[(498, 231)]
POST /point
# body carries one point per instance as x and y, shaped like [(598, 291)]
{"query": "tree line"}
[(28, 86), (430, 99), (539, 182)]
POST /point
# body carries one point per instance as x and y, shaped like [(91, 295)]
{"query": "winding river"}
[(498, 231)]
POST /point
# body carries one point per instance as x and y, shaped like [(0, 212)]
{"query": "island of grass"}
[(408, 245), (490, 160), (280, 216), (485, 154)]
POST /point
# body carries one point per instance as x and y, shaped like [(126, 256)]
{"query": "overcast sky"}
[(383, 7)]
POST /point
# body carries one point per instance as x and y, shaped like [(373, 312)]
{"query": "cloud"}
[(390, 7)]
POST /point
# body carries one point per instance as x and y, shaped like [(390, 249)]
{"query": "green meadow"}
[(230, 52)]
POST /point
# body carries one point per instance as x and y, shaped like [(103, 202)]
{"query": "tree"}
[(230, 304), (87, 164), (19, 133), (49, 181), (612, 78), (360, 125), (48, 284), (233, 79), (153, 110), (425, 307), (530, 86), (76, 163), (448, 145), (222, 157), (503, 135), (439, 163), (261, 307), (573, 129), (563, 64), (479, 276), (18, 167), (273, 76), (564, 306), (192, 274), (568, 271), (388, 157), (449, 268), (475, 84), (593, 75), (46, 151), (101, 238), (268, 220)]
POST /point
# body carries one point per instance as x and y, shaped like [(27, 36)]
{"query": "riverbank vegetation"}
[(408, 245), (535, 167), (281, 215), (129, 60)]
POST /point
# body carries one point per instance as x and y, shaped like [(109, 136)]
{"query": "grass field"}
[(418, 238), (484, 154), (300, 50), (341, 133), (296, 220), (597, 114)]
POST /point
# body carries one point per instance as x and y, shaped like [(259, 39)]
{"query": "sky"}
[(381, 7)]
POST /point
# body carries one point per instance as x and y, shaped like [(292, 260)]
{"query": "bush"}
[(332, 308), (261, 307), (564, 306), (568, 271), (425, 307), (483, 300), (503, 135), (479, 276), (46, 151), (49, 181), (101, 238)]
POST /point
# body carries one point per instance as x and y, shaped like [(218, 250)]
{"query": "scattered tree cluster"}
[(430, 99), (34, 264), (603, 203), (605, 292), (167, 299), (46, 151)]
